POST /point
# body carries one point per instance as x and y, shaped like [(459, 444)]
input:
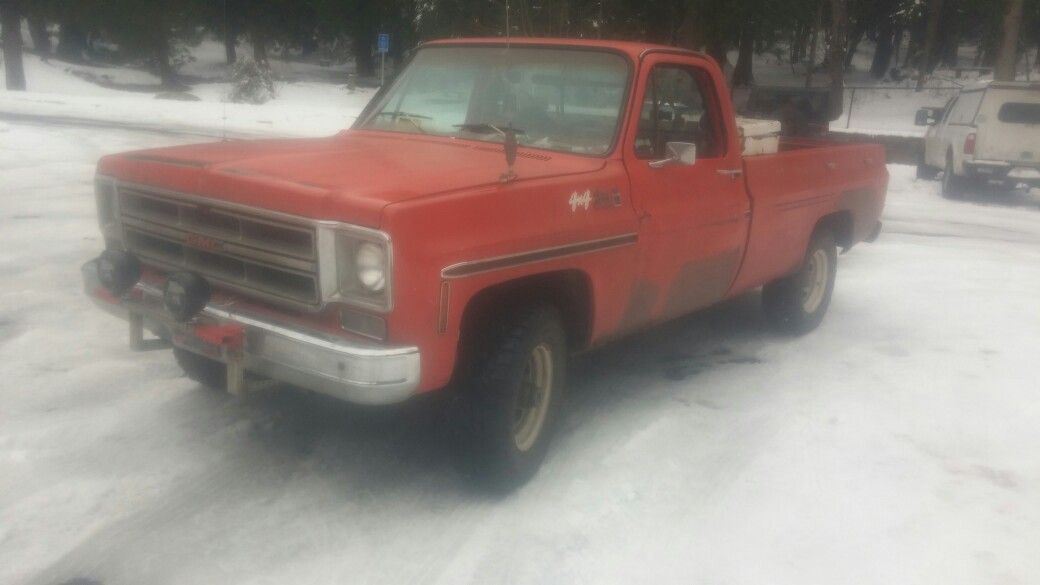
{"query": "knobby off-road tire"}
[(210, 373), (797, 303), (509, 399)]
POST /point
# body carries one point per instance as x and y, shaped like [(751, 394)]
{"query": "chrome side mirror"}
[(680, 153)]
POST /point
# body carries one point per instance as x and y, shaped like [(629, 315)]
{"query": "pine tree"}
[(1008, 55), (11, 21)]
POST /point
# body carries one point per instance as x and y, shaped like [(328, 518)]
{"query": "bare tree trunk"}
[(11, 21), (855, 37), (947, 45), (883, 52), (925, 61), (689, 34), (912, 46), (717, 49), (897, 46), (836, 55), (813, 41), (798, 41), (259, 47), (162, 50), (230, 49), (1008, 55), (167, 74), (41, 39), (743, 76), (362, 48), (230, 36)]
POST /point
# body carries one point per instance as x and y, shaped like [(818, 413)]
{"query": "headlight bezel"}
[(338, 245), (106, 203)]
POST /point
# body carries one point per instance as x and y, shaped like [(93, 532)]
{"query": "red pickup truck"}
[(499, 206)]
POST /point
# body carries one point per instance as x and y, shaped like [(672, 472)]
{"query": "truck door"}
[(694, 218)]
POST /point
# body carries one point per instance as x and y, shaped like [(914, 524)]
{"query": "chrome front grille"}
[(272, 258)]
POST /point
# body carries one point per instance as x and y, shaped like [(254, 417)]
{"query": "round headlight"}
[(370, 263)]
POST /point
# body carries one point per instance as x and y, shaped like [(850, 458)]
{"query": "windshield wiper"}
[(404, 115), (412, 119), (485, 128)]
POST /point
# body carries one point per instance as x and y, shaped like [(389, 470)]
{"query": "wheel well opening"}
[(569, 291), (840, 224)]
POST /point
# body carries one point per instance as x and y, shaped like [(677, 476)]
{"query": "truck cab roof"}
[(632, 49)]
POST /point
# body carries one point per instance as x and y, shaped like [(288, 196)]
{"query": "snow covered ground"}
[(899, 443), (59, 91), (200, 118)]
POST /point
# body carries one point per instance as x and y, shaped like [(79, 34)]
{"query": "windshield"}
[(556, 99)]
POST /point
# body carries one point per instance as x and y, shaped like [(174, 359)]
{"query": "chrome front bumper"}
[(350, 370)]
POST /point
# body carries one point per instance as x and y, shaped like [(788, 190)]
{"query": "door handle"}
[(733, 173)]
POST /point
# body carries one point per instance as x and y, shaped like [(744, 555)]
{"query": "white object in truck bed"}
[(759, 136)]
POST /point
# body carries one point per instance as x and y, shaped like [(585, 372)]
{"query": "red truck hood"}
[(349, 177)]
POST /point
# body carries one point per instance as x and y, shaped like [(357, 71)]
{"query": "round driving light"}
[(370, 263), (185, 294), (118, 271)]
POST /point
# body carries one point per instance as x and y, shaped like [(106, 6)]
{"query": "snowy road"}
[(900, 443)]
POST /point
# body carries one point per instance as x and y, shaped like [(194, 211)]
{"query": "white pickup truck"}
[(989, 133)]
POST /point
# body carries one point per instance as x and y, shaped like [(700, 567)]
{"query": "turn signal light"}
[(969, 144), (363, 323)]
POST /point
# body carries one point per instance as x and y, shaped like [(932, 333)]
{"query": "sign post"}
[(383, 46)]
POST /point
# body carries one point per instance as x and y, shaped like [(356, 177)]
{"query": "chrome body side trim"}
[(469, 268)]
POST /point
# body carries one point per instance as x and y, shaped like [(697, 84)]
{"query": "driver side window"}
[(676, 109)]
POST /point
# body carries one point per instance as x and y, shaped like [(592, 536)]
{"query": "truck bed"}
[(791, 189)]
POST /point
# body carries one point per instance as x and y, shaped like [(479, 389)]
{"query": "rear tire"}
[(797, 303), (507, 409), (208, 372), (953, 185)]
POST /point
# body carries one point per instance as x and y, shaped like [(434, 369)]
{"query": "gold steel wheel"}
[(814, 287), (534, 397)]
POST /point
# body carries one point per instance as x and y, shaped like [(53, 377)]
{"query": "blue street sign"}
[(384, 43)]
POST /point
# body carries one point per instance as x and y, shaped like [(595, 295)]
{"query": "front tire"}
[(797, 303), (508, 407)]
